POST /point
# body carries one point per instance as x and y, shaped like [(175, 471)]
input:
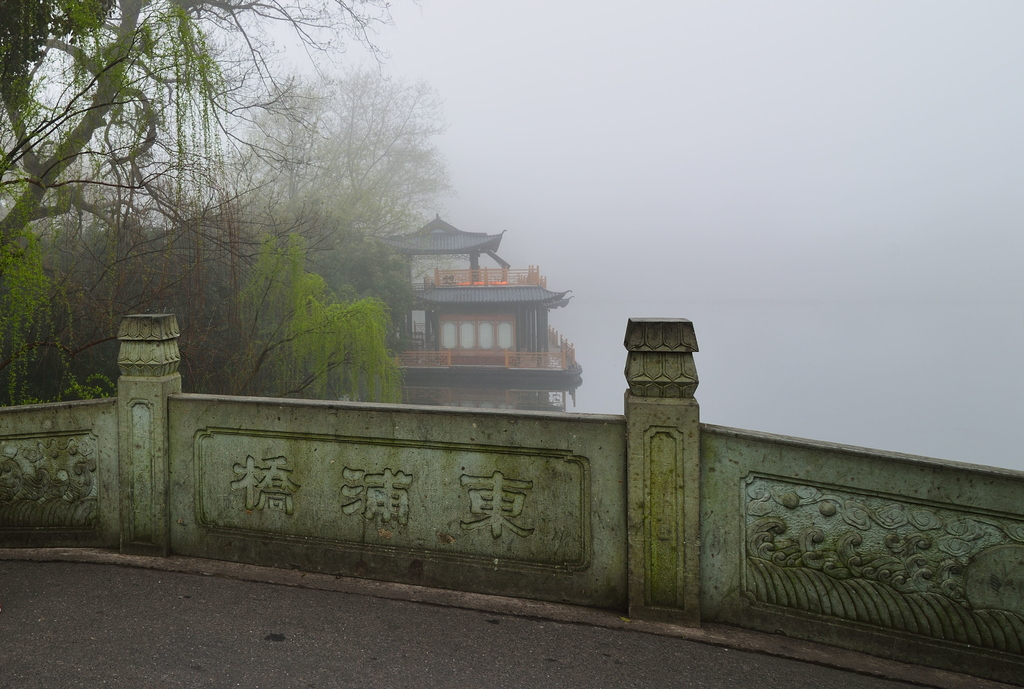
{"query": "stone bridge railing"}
[(651, 513)]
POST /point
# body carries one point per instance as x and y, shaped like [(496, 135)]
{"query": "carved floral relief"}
[(48, 481), (942, 573)]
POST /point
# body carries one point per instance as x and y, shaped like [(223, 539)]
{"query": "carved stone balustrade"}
[(660, 359), (913, 559), (149, 345), (663, 470), (148, 360)]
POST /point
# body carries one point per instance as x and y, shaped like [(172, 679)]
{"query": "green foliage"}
[(198, 85), (114, 125), (113, 190), (24, 295), (354, 155), (344, 162), (301, 341), (31, 305), (111, 106), (359, 266), (94, 386), (29, 24)]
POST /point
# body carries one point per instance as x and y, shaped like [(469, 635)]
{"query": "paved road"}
[(88, 625)]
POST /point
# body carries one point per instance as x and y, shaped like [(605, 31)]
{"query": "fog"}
[(830, 191)]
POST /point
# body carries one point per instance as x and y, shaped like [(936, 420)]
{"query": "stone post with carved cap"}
[(663, 470), (148, 360)]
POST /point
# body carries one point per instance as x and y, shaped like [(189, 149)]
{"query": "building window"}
[(485, 334), (467, 335), (448, 335), (489, 334), (504, 335)]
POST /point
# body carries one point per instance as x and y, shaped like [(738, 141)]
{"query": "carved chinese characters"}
[(385, 494), (459, 502), (933, 571), (266, 484), (494, 502)]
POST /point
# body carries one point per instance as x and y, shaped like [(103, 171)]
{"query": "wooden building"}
[(480, 335)]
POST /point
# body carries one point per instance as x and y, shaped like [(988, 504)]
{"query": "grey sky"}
[(831, 191)]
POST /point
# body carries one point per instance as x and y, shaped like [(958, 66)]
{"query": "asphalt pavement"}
[(73, 624)]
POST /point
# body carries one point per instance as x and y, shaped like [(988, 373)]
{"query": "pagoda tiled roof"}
[(528, 294), (438, 237)]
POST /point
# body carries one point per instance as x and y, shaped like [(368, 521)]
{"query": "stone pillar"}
[(149, 373), (663, 470)]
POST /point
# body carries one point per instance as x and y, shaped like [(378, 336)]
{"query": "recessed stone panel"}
[(464, 502), (924, 569), (49, 481)]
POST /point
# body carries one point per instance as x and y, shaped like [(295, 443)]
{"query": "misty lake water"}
[(939, 379), (829, 191)]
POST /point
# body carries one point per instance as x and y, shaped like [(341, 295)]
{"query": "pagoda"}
[(480, 336)]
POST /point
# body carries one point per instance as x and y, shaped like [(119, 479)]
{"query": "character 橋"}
[(267, 485)]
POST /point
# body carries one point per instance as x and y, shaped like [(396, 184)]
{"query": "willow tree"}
[(348, 160), (300, 341), (360, 149), (113, 117), (90, 91)]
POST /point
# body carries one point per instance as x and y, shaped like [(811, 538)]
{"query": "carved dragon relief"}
[(48, 481), (938, 572)]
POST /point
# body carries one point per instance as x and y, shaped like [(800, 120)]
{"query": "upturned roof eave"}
[(491, 244), (440, 296), (440, 238)]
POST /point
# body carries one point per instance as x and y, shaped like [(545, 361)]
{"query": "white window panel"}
[(485, 335), (467, 335), (505, 340), (448, 335)]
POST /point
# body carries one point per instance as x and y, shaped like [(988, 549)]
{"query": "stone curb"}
[(715, 634)]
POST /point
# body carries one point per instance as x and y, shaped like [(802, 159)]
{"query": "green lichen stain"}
[(663, 522)]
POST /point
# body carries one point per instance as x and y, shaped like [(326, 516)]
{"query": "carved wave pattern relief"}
[(48, 481), (941, 573)]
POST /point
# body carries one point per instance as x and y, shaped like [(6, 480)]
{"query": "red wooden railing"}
[(487, 277), (562, 357)]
